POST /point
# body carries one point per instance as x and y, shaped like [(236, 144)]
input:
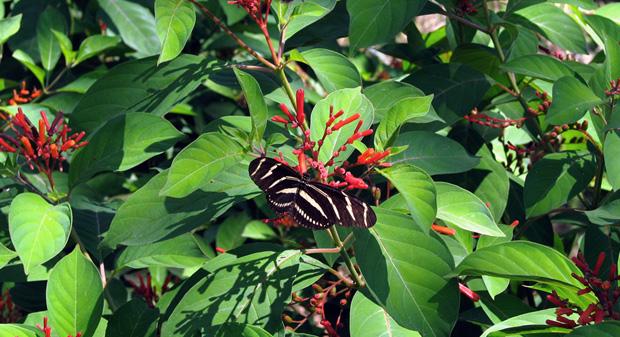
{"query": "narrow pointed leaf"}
[(65, 46), (38, 230), (556, 179), (412, 290), (26, 60), (534, 319), (9, 26), (611, 153), (464, 209), (21, 330), (351, 101), (200, 162), (175, 21), (122, 143), (49, 46), (75, 295), (539, 66), (521, 260), (418, 190), (94, 45), (133, 319), (256, 104)]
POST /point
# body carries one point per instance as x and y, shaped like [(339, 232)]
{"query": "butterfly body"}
[(311, 204)]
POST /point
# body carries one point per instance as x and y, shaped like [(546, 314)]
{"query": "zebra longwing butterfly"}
[(311, 204)]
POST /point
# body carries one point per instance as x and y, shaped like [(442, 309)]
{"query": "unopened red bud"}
[(27, 146), (317, 288), (66, 146), (343, 302), (287, 319)]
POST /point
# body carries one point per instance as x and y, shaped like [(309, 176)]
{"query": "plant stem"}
[(347, 260)]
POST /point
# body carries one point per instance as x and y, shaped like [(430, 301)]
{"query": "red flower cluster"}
[(24, 96), (149, 291), (595, 312), (615, 88), (369, 157), (43, 146), (48, 330), (9, 312)]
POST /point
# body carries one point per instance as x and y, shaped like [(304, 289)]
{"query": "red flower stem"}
[(229, 32)]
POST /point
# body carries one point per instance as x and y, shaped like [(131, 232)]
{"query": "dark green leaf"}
[(140, 86), (229, 295), (571, 100), (147, 217), (602, 329), (136, 25), (180, 252), (300, 15), (133, 319), (6, 255), (534, 319), (200, 162), (75, 295), (607, 214), (49, 46), (229, 233), (539, 66), (26, 60), (235, 329), (379, 21), (122, 143), (412, 290), (556, 179), (175, 22), (385, 95), (433, 153), (400, 113)]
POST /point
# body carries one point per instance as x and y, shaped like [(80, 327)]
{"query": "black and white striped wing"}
[(279, 182), (320, 206)]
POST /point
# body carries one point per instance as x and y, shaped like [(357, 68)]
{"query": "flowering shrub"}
[(482, 136)]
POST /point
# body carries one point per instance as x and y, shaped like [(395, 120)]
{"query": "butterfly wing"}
[(320, 206), (279, 182)]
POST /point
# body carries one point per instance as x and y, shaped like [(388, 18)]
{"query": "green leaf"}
[(418, 190), (90, 220), (412, 290), (433, 153), (122, 143), (65, 46), (140, 86), (554, 24), (386, 95), (608, 213), (133, 319), (523, 40), (39, 230), (539, 66), (257, 230), (332, 69), (26, 60), (6, 255), (201, 161), (256, 104), (74, 295), (229, 234), (611, 154), (457, 88), (464, 209), (555, 180), (370, 320), (303, 14), (184, 251), (521, 260), (20, 330), (175, 22), (148, 217), (351, 101), (534, 319), (400, 113), (49, 46), (601, 329), (228, 295), (95, 45), (235, 329), (571, 100), (379, 21), (8, 27), (136, 25)]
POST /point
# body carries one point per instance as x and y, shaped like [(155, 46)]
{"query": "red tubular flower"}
[(279, 119), (302, 163), (599, 262), (346, 121), (286, 112), (443, 229), (27, 146), (468, 292), (377, 156), (54, 149), (355, 182), (359, 135), (66, 146), (362, 158), (7, 146), (41, 132), (301, 116)]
